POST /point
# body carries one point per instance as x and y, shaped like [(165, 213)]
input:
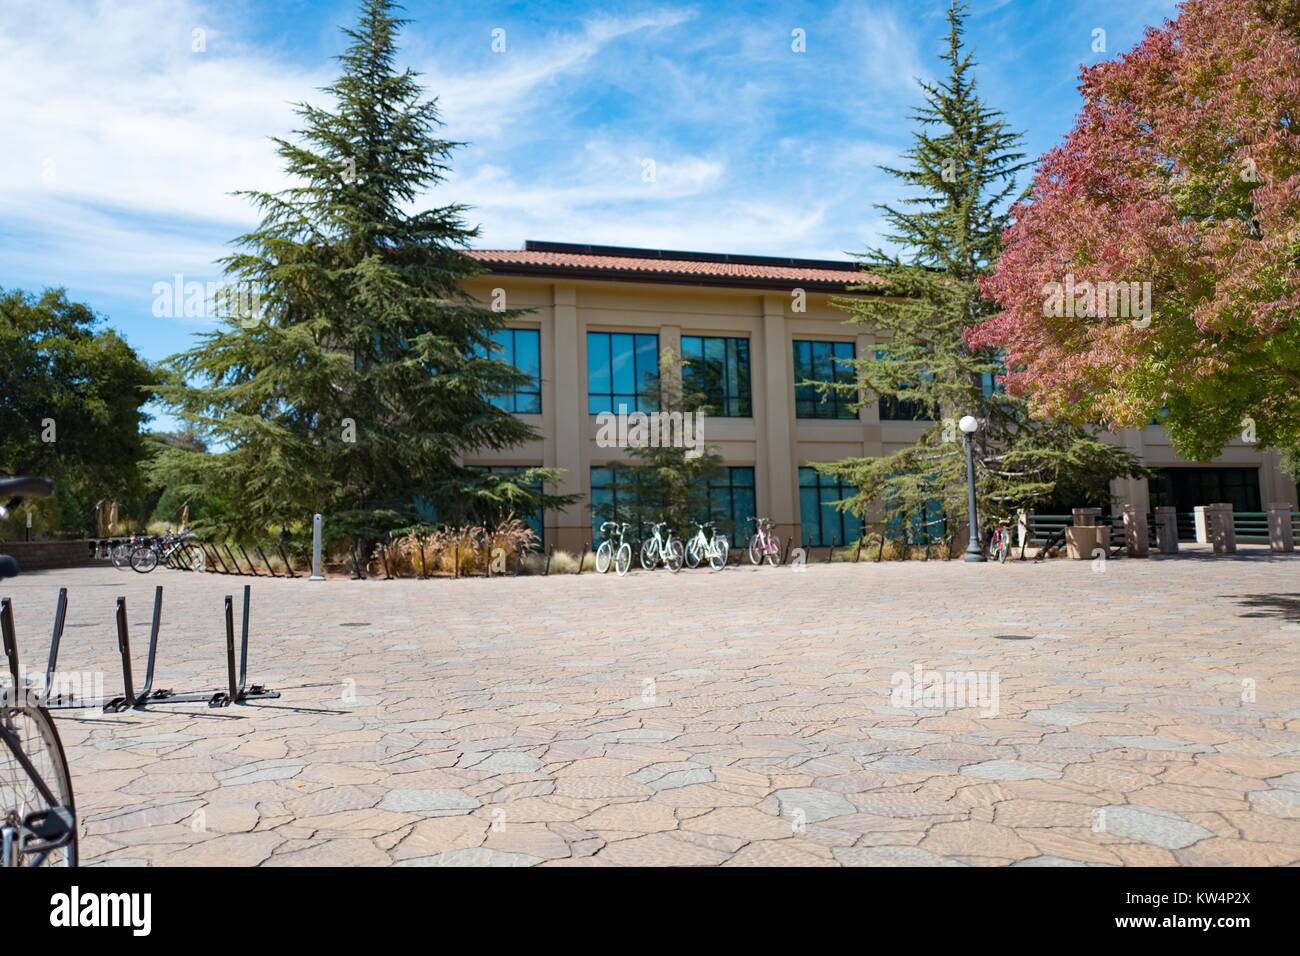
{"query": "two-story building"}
[(601, 316)]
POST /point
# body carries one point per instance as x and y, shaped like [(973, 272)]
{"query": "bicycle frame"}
[(707, 545), (765, 537)]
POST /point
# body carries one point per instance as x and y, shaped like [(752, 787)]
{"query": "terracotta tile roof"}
[(614, 262)]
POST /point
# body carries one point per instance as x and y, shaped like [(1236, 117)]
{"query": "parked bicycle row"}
[(706, 546), (144, 552)]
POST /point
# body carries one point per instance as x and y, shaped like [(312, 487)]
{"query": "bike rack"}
[(237, 691), (10, 642)]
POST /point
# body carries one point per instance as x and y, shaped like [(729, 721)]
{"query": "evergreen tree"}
[(961, 177), (363, 374)]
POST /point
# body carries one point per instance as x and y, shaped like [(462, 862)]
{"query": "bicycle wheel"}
[(774, 552), (121, 555), (144, 560), (192, 558), (623, 560), (756, 550), (675, 556), (41, 802), (649, 554), (718, 553), (604, 555), (693, 553)]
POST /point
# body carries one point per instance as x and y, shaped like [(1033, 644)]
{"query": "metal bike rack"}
[(235, 692), (10, 644)]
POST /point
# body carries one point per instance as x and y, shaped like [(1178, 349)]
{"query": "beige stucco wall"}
[(773, 441)]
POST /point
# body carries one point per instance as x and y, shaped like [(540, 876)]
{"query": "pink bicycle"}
[(764, 546)]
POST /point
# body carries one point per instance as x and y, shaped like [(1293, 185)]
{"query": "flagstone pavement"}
[(1146, 714)]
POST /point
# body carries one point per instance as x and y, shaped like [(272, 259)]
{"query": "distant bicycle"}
[(619, 554), (174, 550), (120, 551), (1000, 543), (662, 546), (764, 546), (38, 816), (712, 547)]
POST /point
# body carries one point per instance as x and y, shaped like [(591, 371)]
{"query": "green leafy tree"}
[(1181, 174), (362, 375), (961, 177), (71, 404)]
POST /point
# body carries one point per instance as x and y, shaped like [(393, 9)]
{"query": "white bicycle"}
[(618, 554), (713, 547), (662, 547)]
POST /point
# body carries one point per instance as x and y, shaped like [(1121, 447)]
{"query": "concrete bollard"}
[(1167, 530), (1085, 517), (315, 550), (1137, 541), (1281, 535), (1201, 516), (1081, 541), (1223, 533)]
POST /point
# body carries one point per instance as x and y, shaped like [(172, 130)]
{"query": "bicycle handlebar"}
[(26, 487)]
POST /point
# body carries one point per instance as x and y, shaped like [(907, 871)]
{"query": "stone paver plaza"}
[(1147, 714)]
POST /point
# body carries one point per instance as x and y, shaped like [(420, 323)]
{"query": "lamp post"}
[(969, 424)]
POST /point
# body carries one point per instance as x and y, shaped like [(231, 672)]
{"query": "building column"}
[(570, 420), (778, 437)]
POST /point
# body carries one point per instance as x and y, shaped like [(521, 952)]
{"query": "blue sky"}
[(123, 143)]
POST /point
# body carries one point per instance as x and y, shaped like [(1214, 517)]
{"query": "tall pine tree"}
[(367, 374), (962, 173)]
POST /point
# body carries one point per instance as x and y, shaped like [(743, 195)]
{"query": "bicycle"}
[(662, 547), (764, 546), (178, 551), (120, 551), (1000, 543), (38, 817), (714, 547), (607, 553)]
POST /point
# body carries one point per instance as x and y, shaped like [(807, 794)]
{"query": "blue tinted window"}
[(522, 349), (716, 374), (731, 503), (622, 368), (823, 362), (820, 521)]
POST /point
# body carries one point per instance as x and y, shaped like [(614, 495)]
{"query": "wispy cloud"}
[(124, 143)]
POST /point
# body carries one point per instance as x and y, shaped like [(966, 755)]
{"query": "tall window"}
[(617, 496), (622, 367), (522, 349), (535, 519), (731, 502), (900, 409), (717, 370), (823, 362), (818, 518)]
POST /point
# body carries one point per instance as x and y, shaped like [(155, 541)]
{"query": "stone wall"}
[(42, 555)]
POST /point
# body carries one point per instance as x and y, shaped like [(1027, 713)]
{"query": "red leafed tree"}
[(1182, 171)]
